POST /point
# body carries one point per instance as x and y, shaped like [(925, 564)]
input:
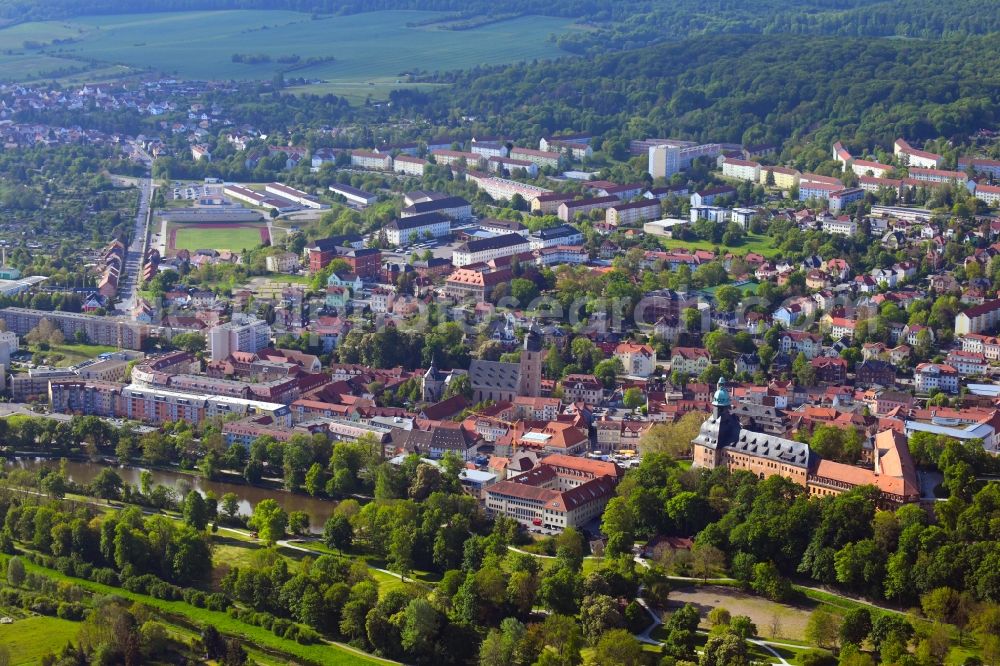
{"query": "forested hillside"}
[(742, 88)]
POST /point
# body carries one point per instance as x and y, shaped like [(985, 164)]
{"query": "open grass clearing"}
[(29, 639), (65, 355), (792, 618), (751, 243), (30, 65), (357, 92), (322, 653)]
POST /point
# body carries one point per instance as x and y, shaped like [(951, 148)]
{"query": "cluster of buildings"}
[(274, 196), (110, 268), (723, 441), (541, 449)]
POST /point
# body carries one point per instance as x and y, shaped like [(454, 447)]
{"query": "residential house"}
[(967, 363), (691, 361), (638, 360), (831, 370), (936, 376), (875, 372), (582, 388)]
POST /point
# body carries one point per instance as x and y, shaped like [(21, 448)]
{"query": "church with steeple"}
[(723, 442), (432, 384), (502, 382)]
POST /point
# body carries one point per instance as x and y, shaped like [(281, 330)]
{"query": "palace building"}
[(724, 442)]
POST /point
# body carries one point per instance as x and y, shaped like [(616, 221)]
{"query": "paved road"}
[(10, 408), (140, 234), (134, 252)]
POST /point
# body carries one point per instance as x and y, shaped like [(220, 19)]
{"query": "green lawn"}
[(356, 92), (236, 239), (752, 243), (32, 638), (28, 66), (325, 653), (63, 356), (374, 47)]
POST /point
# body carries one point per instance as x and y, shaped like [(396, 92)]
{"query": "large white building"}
[(8, 345), (638, 360), (368, 160), (741, 169), (458, 157), (910, 156), (411, 166), (989, 167), (670, 157), (633, 213), (990, 194), (866, 168), (485, 249), (504, 189), (564, 234), (489, 149), (938, 175), (542, 158), (456, 208), (242, 334), (935, 376), (353, 194), (303, 199), (839, 200), (978, 318), (157, 405), (664, 161), (410, 229), (561, 491)]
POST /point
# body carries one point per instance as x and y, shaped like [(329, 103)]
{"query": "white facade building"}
[(741, 169), (243, 334), (485, 249)]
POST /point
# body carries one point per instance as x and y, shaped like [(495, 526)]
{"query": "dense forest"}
[(742, 89)]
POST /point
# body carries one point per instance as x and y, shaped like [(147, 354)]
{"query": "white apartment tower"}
[(242, 334)]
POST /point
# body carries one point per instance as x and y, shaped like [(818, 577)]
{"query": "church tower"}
[(720, 401), (718, 431), (432, 384), (532, 357)]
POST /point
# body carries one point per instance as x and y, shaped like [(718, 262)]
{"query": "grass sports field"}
[(235, 237), (373, 48)]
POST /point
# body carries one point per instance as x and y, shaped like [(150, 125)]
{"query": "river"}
[(85, 472)]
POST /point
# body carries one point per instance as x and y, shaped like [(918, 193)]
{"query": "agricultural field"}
[(234, 237), (370, 52)]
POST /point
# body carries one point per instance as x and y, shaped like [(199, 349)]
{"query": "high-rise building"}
[(664, 160), (242, 334), (8, 345)]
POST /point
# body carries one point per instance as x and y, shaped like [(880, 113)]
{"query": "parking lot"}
[(441, 248)]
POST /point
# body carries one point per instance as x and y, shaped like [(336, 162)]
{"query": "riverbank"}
[(83, 470)]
